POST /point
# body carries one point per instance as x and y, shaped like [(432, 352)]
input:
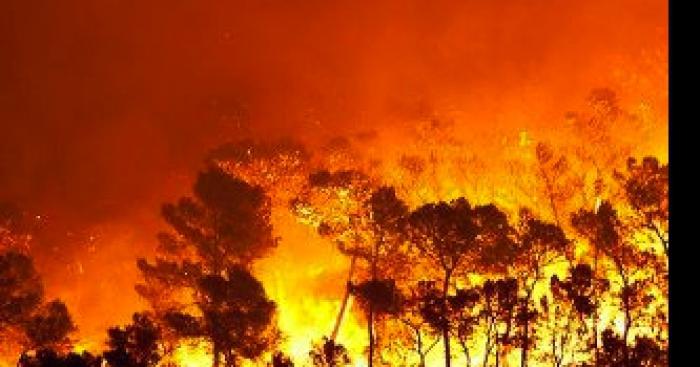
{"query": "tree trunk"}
[(467, 356), (370, 334), (216, 356), (488, 346), (419, 345), (660, 236), (526, 326), (346, 299), (555, 355), (595, 294), (627, 307), (628, 321), (595, 305), (446, 327), (422, 359), (230, 360), (526, 343), (498, 349)]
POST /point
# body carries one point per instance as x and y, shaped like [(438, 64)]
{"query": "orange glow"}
[(107, 112)]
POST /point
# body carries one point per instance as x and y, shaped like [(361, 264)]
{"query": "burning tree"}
[(50, 358), (568, 310), (379, 294), (616, 353), (610, 238), (538, 245), (25, 317), (328, 353), (281, 360), (646, 190), (457, 239), (366, 225), (333, 203), (500, 299), (236, 316), (558, 181), (445, 234), (201, 285), (424, 333), (136, 344), (279, 167), (49, 327), (20, 289)]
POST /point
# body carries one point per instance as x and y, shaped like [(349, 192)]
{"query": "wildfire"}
[(432, 238), (192, 354), (304, 275)]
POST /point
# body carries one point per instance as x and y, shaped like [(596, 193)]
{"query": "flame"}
[(441, 157), (192, 353)]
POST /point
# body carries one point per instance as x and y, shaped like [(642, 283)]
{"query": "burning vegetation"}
[(401, 183), (426, 254)]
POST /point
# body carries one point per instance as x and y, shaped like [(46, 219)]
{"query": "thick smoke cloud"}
[(107, 107), (100, 100)]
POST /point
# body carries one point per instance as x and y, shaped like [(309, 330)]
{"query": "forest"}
[(561, 260)]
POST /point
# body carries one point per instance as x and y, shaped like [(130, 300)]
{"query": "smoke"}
[(107, 108)]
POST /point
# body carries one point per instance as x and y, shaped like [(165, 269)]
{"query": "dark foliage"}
[(50, 326), (236, 315), (21, 290), (328, 353), (134, 345), (49, 358)]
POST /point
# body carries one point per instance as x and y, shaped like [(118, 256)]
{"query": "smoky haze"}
[(107, 108)]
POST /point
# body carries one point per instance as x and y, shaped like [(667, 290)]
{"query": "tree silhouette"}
[(388, 255), (236, 316), (377, 298), (412, 315), (558, 181), (445, 233), (365, 224), (281, 360), (226, 222), (645, 187), (448, 272), (135, 345), (21, 290), (201, 286), (644, 352), (539, 244), (465, 313), (496, 248), (456, 237), (335, 203), (604, 229), (26, 321), (328, 353), (279, 167), (500, 298), (574, 303), (646, 190), (379, 294), (49, 326), (50, 358)]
